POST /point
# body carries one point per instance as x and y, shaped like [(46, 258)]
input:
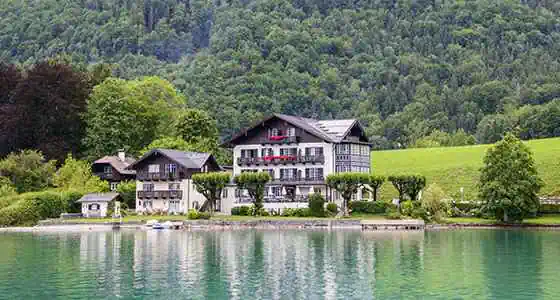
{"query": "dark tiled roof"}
[(189, 160), (333, 131), (118, 164), (99, 197)]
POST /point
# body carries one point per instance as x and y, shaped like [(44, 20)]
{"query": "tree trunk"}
[(345, 204), (374, 194), (505, 216)]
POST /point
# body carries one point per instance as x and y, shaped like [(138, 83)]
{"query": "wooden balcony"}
[(280, 160), (104, 176), (170, 194), (157, 176), (280, 140), (299, 180)]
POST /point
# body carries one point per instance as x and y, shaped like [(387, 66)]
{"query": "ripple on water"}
[(466, 264)]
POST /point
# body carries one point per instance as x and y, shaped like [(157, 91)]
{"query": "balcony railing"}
[(171, 194), (280, 159), (104, 176), (157, 176), (280, 139), (275, 199), (298, 179)]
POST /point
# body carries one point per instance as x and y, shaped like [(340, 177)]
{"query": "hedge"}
[(32, 207), (549, 209), (369, 207)]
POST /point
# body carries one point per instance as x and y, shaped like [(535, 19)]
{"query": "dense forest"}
[(464, 71)]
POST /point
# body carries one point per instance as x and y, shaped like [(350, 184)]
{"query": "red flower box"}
[(277, 137)]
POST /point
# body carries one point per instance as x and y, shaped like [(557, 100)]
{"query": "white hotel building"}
[(298, 153)]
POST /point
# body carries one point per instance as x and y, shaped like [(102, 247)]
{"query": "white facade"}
[(96, 209), (189, 197)]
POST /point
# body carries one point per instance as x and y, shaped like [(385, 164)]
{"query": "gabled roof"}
[(189, 160), (99, 197), (333, 131), (117, 163)]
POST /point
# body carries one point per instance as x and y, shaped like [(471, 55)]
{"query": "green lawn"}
[(455, 167), (548, 219)]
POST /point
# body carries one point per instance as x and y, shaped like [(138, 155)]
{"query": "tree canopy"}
[(405, 68), (509, 181)]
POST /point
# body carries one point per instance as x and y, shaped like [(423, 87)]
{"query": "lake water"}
[(466, 264)]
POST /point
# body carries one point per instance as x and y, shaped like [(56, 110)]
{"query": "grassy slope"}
[(455, 167)]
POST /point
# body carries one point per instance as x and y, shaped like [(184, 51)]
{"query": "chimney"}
[(122, 155)]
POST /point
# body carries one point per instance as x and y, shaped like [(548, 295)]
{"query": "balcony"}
[(104, 176), (171, 194), (299, 180), (164, 176), (275, 199), (280, 160), (280, 139)]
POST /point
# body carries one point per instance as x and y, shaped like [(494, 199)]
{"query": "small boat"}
[(167, 225), (157, 226), (151, 223)]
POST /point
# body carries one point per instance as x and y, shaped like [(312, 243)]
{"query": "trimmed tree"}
[(375, 183), (254, 183), (408, 185), (210, 185), (509, 181), (347, 184)]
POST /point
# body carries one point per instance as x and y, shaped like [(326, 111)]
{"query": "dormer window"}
[(291, 131), (153, 169), (107, 170)]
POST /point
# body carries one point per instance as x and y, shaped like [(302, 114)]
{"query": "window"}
[(171, 168), (113, 186), (147, 204), (153, 169), (355, 149), (174, 186), (314, 173), (94, 206), (267, 152), (274, 132), (291, 131), (224, 193), (277, 191), (271, 173), (107, 170), (237, 193), (148, 187), (288, 151)]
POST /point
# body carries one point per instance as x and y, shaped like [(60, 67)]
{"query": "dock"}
[(393, 224)]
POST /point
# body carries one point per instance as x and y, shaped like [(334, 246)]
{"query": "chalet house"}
[(114, 169), (298, 153), (163, 180)]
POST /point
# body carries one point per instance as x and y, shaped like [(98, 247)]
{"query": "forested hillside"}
[(404, 67)]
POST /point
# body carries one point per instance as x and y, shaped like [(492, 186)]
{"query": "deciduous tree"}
[(210, 185), (28, 171), (254, 183), (509, 181), (347, 184)]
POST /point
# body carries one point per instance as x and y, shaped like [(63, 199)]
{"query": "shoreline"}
[(221, 225)]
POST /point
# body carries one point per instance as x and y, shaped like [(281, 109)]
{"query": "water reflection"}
[(478, 264)]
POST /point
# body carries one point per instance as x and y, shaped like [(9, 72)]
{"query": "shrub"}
[(32, 207), (392, 213), (369, 207), (433, 202), (245, 210), (332, 208), (316, 205), (409, 185), (420, 213), (192, 214), (263, 212), (296, 212), (204, 215), (549, 209), (235, 211), (407, 207)]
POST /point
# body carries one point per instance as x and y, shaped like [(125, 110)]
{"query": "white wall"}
[(101, 213), (328, 152)]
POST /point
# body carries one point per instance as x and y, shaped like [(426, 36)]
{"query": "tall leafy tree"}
[(347, 184), (49, 103), (509, 181), (9, 78), (128, 114), (254, 183), (76, 175), (28, 170), (210, 185)]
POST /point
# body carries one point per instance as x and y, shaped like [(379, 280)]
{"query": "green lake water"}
[(466, 264)]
